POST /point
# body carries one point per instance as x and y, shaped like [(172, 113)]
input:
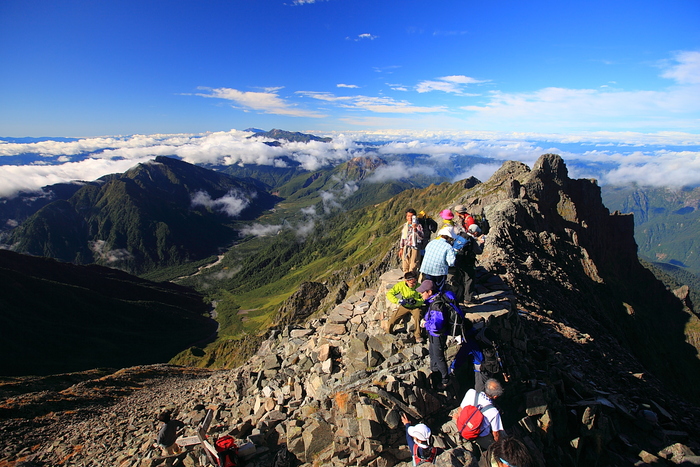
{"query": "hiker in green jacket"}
[(409, 302)]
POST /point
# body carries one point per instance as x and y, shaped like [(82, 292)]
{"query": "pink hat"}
[(446, 214)]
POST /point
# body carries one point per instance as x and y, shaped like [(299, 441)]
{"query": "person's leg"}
[(396, 315), (412, 255), (436, 350), (415, 314)]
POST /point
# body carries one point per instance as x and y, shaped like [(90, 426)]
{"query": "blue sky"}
[(91, 68), (604, 83)]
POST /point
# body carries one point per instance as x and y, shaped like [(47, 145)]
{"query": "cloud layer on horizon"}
[(658, 159)]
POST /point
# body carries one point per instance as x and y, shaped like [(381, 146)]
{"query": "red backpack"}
[(470, 419), (227, 451)]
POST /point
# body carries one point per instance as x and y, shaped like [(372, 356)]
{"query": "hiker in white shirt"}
[(491, 426)]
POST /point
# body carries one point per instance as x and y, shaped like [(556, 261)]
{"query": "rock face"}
[(333, 387)]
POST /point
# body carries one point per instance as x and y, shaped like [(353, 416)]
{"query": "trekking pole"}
[(500, 364)]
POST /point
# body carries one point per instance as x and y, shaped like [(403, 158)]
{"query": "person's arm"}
[(409, 439), (450, 257), (497, 435), (391, 295)]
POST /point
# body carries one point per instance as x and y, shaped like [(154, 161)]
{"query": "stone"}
[(317, 436)]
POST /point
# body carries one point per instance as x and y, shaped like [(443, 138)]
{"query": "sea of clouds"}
[(613, 158)]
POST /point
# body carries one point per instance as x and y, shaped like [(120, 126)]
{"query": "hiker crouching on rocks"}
[(169, 431), (418, 439), (409, 301), (492, 426)]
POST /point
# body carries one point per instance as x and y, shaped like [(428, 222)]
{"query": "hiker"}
[(507, 452), (439, 256), (466, 263), (418, 439), (409, 301), (491, 428), (463, 277), (476, 360), (464, 219), (429, 227), (410, 242), (168, 433), (435, 324)]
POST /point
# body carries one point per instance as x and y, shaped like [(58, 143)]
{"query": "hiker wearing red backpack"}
[(478, 407)]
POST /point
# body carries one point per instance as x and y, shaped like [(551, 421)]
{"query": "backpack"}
[(227, 451), (417, 460), (470, 418), (284, 458), (489, 363), (452, 312), (482, 222)]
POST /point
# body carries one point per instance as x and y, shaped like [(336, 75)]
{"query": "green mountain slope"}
[(346, 252), (58, 317), (667, 222), (155, 215)]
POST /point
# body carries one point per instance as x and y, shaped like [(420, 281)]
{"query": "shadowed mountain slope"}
[(58, 317)]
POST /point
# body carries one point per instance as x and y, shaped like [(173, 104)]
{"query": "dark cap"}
[(425, 286)]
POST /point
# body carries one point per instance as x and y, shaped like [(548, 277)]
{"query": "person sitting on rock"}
[(409, 301), (418, 439), (492, 426), (168, 433), (507, 452), (410, 242)]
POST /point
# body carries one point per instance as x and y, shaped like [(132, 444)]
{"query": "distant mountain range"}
[(154, 215), (667, 222)]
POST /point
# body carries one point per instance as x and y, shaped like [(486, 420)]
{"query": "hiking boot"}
[(419, 340)]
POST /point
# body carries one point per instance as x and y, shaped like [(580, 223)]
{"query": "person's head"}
[(409, 214), (446, 214), (509, 452), (461, 210), (164, 416), (425, 289), (420, 433), (411, 279), (493, 388), (474, 230)]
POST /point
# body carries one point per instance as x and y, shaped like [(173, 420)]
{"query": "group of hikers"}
[(447, 267)]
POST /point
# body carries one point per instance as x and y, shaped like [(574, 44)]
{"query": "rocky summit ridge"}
[(560, 285)]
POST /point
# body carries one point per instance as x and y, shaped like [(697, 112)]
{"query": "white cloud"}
[(351, 86), (397, 171), (98, 247), (372, 104), (261, 230), (481, 171), (232, 203), (267, 102), (453, 84), (363, 37), (687, 69)]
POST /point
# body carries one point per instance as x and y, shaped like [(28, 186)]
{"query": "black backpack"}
[(486, 339), (284, 458)]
